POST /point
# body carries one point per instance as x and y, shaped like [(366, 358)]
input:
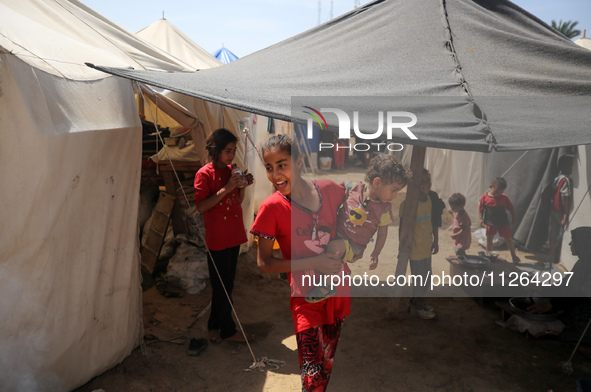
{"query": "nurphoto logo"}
[(390, 122)]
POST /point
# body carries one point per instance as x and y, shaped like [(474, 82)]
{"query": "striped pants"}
[(316, 350)]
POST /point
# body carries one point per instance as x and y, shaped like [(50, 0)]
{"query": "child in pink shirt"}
[(461, 233)]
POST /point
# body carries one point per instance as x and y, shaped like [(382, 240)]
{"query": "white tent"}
[(169, 38), (166, 36), (584, 41), (70, 298)]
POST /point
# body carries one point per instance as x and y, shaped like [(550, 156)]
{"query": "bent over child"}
[(365, 211)]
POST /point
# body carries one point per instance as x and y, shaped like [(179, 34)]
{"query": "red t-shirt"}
[(224, 227), (294, 236), (495, 209)]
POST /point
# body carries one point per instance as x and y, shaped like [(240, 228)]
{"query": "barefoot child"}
[(366, 209), (493, 213), (461, 233), (292, 216), (218, 196)]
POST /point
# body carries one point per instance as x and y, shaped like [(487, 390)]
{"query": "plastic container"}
[(237, 170), (325, 163)]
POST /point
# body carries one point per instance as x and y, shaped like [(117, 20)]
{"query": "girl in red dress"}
[(292, 216), (218, 195)]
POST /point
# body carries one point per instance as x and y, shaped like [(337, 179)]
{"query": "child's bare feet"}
[(214, 336)]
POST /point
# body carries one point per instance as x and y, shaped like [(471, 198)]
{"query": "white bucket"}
[(325, 163)]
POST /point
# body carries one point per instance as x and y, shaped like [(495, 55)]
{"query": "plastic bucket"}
[(325, 163)]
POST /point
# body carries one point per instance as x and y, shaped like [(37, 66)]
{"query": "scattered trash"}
[(187, 269), (480, 235)]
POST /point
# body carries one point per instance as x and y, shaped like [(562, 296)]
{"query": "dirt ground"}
[(462, 349)]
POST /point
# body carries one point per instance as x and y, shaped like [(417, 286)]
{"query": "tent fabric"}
[(528, 175), (70, 300), (224, 55), (78, 32), (584, 42), (169, 38), (71, 297), (497, 77)]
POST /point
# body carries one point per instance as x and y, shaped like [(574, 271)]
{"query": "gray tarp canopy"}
[(442, 60)]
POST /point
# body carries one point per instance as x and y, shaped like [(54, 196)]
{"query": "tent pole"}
[(407, 227)]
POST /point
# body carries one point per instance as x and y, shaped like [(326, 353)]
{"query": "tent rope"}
[(514, 163), (257, 364), (246, 132), (567, 366), (263, 362)]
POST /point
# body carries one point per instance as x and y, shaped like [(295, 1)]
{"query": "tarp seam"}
[(449, 44)]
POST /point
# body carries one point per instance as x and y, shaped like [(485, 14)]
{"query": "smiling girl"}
[(218, 197), (293, 216)]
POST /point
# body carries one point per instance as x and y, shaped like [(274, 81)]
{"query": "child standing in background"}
[(425, 243), (461, 233), (218, 196), (493, 213)]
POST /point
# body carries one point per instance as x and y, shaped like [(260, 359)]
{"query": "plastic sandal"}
[(317, 295)]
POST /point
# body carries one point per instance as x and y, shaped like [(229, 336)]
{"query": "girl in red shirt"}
[(293, 216), (218, 195)]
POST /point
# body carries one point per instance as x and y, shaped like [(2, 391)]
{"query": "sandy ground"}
[(462, 349)]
